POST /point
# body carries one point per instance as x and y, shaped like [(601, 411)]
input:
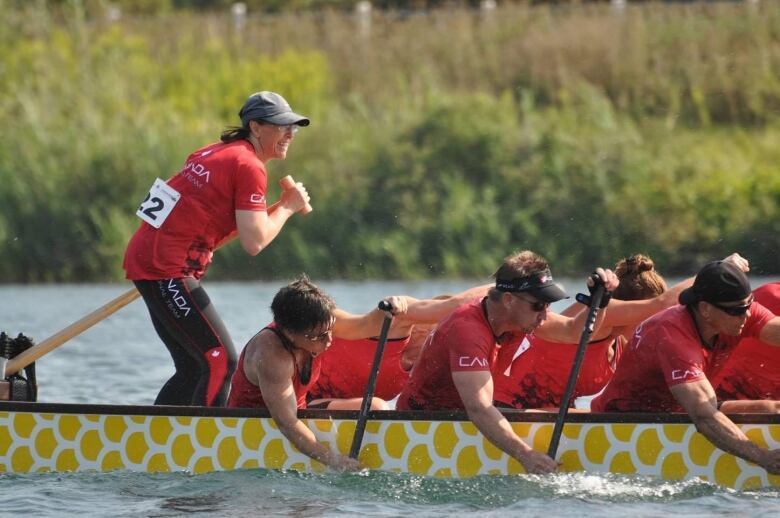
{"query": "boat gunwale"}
[(515, 416)]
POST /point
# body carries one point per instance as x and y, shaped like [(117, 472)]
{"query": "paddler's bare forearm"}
[(567, 330), (698, 399), (230, 237), (303, 438), (727, 436), (276, 220), (257, 229), (496, 429)]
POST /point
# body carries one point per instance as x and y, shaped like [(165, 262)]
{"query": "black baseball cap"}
[(270, 107), (717, 282), (540, 285)]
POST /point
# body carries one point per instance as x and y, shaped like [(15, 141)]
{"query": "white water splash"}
[(622, 488)]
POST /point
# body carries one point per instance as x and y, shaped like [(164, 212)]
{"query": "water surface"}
[(121, 361)]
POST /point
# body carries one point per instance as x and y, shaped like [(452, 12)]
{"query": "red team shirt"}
[(665, 351), (346, 365), (216, 181), (540, 369), (753, 371), (463, 342), (245, 394)]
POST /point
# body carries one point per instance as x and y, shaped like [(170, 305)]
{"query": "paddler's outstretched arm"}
[(698, 399), (355, 327), (631, 312), (274, 372), (567, 330), (476, 392), (407, 311), (770, 333), (431, 311)]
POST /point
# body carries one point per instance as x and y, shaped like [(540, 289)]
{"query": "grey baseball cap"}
[(270, 107)]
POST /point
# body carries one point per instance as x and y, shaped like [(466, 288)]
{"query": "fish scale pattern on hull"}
[(39, 442)]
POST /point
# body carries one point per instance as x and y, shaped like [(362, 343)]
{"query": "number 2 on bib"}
[(158, 204)]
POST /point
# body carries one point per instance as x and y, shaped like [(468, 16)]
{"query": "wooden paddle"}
[(360, 427), (21, 361), (590, 320)]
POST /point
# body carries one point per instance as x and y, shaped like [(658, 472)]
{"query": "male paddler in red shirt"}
[(672, 356), (455, 366)]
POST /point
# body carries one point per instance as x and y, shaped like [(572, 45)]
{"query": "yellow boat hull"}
[(41, 438)]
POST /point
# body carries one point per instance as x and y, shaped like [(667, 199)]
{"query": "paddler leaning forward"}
[(454, 368), (281, 363), (669, 362)]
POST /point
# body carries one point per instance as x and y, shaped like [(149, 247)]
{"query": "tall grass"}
[(439, 143)]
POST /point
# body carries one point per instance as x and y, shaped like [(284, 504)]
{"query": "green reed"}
[(439, 142)]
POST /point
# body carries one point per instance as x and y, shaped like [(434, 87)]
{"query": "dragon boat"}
[(45, 437)]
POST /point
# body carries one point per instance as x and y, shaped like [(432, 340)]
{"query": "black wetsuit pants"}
[(201, 348)]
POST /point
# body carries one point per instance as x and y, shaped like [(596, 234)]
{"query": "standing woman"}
[(219, 194)]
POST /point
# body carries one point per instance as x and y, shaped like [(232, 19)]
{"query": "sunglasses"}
[(735, 311), (320, 337), (536, 305), (293, 128)]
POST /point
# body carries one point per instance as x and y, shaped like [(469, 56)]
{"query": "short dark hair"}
[(302, 306)]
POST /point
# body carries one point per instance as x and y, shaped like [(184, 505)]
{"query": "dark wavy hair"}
[(301, 306)]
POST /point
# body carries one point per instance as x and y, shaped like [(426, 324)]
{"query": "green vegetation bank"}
[(440, 142)]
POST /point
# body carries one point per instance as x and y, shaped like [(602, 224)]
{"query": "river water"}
[(121, 361)]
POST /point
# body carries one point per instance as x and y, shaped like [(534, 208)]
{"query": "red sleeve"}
[(768, 296), (469, 347), (759, 316), (680, 360), (251, 182)]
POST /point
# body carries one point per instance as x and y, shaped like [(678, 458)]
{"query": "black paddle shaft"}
[(590, 321), (360, 427)]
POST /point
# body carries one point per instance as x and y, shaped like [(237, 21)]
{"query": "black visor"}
[(540, 285)]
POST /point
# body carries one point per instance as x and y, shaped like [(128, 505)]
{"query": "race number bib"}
[(158, 204)]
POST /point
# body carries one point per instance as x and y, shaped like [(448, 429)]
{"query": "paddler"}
[(672, 356), (454, 370)]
